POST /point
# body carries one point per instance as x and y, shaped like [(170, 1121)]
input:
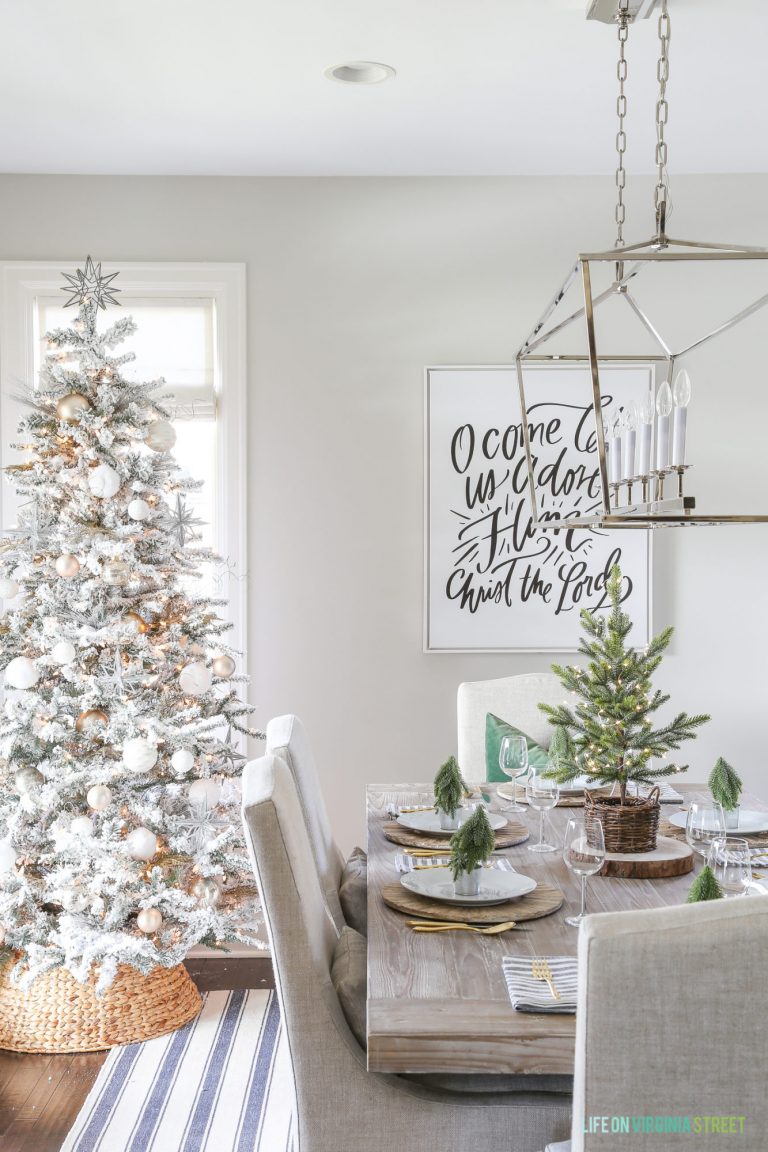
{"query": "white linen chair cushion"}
[(512, 698), (353, 891), (671, 1021)]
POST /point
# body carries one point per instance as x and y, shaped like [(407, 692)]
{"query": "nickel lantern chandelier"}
[(641, 455)]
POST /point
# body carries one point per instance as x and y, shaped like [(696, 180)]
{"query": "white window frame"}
[(20, 286)]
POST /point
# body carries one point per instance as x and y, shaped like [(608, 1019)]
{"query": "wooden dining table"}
[(438, 1002)]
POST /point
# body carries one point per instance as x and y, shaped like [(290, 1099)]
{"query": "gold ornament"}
[(94, 717), (116, 572), (136, 622), (70, 408), (223, 666), (67, 566)]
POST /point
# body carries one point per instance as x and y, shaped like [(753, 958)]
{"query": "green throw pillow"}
[(495, 730)]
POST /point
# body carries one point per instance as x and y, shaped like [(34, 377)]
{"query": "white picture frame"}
[(485, 399)]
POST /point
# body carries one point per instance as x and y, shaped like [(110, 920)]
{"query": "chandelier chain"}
[(623, 21), (661, 195)]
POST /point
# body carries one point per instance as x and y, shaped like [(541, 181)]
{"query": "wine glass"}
[(542, 793), (584, 853), (731, 861), (513, 761), (704, 823)]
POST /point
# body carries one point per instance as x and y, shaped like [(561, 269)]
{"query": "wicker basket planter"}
[(58, 1014), (628, 827)]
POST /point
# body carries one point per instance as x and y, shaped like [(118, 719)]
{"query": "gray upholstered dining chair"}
[(671, 1018), (512, 698), (343, 882), (341, 1107)]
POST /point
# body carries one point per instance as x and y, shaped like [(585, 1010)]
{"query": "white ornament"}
[(223, 666), (138, 509), (103, 481), (81, 826), (67, 566), (195, 678), (21, 673), (161, 436), (205, 791), (182, 761), (74, 899), (27, 779), (8, 854), (141, 844), (149, 920), (8, 588), (63, 652), (139, 755), (99, 797)]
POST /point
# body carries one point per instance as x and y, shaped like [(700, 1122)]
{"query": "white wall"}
[(353, 286)]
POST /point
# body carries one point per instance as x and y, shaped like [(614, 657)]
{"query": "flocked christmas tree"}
[(611, 728), (118, 761)]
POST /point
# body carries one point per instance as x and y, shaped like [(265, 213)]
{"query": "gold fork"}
[(435, 926), (540, 970)]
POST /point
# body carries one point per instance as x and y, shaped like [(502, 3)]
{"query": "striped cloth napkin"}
[(529, 995), (667, 794), (406, 863)]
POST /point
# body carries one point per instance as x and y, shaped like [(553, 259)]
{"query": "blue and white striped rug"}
[(220, 1084)]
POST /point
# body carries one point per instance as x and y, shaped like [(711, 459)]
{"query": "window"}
[(190, 321)]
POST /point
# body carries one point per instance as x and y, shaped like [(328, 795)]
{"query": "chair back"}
[(323, 1051), (512, 698), (670, 1027), (287, 738)]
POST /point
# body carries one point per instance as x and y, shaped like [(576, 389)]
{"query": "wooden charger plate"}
[(575, 801), (543, 901), (507, 837)]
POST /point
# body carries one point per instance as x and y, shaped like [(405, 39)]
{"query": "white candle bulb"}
[(663, 408), (615, 457), (629, 441), (681, 394), (645, 416)]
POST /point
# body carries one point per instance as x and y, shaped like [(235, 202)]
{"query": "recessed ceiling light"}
[(360, 72)]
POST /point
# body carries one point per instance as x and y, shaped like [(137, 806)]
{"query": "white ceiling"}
[(483, 87)]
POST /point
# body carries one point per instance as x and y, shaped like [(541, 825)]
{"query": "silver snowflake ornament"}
[(90, 285), (202, 826), (182, 521)]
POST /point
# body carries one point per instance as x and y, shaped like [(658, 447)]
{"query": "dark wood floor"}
[(40, 1096)]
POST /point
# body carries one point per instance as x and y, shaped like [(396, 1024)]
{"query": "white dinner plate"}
[(495, 887), (749, 821), (430, 822)]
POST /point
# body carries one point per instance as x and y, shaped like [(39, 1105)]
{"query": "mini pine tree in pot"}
[(470, 848), (611, 728), (725, 784), (450, 789)]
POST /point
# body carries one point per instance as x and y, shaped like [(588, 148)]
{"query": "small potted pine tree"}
[(611, 727), (470, 848), (450, 790), (725, 784)]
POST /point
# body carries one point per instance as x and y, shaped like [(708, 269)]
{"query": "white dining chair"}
[(512, 698), (672, 1005), (339, 1105), (287, 738)]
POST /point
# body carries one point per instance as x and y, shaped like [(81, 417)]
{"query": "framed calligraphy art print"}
[(493, 581)]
